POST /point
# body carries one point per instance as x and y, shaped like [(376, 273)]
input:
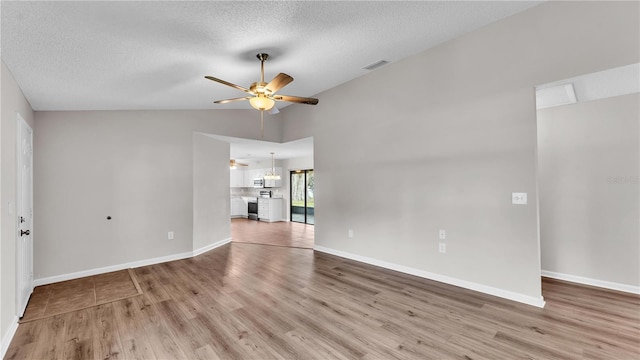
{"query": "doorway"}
[(302, 200)]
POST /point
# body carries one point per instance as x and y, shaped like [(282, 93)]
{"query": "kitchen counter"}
[(270, 209)]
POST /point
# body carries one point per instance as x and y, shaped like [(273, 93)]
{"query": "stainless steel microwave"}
[(258, 183)]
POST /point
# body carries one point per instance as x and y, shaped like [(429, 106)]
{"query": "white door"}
[(24, 211)]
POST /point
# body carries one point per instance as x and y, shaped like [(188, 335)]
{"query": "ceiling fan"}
[(263, 95), (233, 164)]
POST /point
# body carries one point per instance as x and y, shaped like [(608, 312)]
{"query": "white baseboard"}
[(592, 282), (8, 336), (209, 247), (529, 300), (133, 264)]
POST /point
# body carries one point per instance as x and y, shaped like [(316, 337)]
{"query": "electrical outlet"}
[(519, 198), (170, 235), (350, 233), (442, 247), (442, 234)]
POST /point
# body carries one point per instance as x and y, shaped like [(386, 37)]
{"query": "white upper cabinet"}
[(258, 173), (248, 178), (236, 178), (244, 178)]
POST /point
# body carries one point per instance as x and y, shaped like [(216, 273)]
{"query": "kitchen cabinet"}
[(248, 178), (270, 209), (237, 178), (244, 178), (257, 173), (238, 207)]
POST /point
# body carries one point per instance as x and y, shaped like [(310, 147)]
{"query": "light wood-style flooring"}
[(249, 301), (283, 233), (77, 294)]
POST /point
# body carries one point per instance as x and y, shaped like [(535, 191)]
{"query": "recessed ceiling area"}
[(138, 55), (257, 151)]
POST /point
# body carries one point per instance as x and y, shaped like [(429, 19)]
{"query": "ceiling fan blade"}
[(281, 80), (232, 100), (228, 84), (233, 162), (296, 99)]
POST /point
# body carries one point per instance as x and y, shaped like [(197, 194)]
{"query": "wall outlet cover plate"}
[(519, 198)]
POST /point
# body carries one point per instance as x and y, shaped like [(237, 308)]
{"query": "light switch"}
[(519, 198), (442, 234)]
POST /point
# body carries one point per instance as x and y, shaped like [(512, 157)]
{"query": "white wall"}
[(589, 211), (454, 129), (12, 102), (135, 166), (211, 210)]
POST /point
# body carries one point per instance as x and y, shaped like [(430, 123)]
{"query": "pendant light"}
[(271, 174)]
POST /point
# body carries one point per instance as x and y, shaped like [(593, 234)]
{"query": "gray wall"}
[(588, 171), (12, 102), (210, 191), (453, 132), (136, 166)]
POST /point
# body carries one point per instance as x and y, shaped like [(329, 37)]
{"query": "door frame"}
[(21, 303), (306, 211)]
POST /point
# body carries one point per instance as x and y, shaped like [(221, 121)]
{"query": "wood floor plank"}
[(128, 317), (53, 329), (151, 287), (79, 334), (161, 338), (254, 301), (106, 341)]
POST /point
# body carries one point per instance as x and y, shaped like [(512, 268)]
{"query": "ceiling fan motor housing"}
[(259, 87)]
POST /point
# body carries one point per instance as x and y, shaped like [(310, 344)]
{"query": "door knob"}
[(23, 232)]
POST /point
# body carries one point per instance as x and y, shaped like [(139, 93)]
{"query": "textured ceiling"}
[(89, 55)]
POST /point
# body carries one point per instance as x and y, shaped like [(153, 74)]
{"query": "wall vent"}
[(375, 65)]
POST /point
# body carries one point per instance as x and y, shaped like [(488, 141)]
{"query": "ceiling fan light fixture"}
[(261, 103), (262, 94)]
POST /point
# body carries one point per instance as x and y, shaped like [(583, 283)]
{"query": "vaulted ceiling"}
[(92, 55)]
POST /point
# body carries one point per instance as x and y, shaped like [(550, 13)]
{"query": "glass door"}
[(302, 204)]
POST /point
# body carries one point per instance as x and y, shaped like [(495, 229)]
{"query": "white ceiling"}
[(89, 55)]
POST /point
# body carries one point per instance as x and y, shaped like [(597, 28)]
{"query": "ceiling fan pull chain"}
[(262, 124)]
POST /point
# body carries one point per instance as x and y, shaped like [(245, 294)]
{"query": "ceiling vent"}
[(375, 65)]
